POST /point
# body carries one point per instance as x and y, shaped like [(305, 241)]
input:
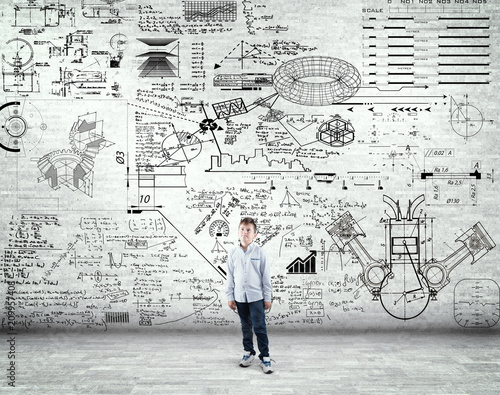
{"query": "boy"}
[(249, 290)]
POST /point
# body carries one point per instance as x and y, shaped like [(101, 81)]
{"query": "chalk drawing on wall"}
[(74, 168), (22, 127), (405, 281), (476, 303)]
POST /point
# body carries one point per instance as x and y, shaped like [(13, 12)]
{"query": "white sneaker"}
[(266, 365), (247, 359)]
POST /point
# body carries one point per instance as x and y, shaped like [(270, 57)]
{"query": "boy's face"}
[(247, 234)]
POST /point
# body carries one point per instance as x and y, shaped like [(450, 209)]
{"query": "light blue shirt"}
[(248, 275)]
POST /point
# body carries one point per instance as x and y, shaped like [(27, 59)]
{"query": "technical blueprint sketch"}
[(361, 135)]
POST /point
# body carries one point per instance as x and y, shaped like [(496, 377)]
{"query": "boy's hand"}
[(267, 305), (232, 304)]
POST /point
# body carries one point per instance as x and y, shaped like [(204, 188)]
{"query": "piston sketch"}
[(405, 281)]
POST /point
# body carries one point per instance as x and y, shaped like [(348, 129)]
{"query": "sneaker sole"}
[(246, 366)]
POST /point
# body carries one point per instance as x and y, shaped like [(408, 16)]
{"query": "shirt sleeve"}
[(265, 269), (230, 278)]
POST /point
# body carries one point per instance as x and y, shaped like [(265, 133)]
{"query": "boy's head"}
[(247, 231), (249, 221)]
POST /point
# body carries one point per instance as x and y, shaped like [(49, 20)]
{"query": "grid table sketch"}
[(221, 11)]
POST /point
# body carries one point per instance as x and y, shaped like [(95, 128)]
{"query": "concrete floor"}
[(199, 363)]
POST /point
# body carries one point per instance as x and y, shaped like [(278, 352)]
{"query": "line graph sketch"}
[(223, 11)]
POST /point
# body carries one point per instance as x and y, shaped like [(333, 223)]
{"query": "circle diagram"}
[(466, 120), (436, 276), (375, 274), (405, 292), (18, 53), (22, 127), (218, 228), (181, 147), (119, 42), (316, 80), (15, 126)]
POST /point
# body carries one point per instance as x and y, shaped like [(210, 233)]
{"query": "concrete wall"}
[(126, 169)]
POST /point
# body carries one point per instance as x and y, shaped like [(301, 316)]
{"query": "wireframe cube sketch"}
[(336, 132), (297, 80)]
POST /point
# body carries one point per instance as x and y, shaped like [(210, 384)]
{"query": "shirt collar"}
[(249, 248)]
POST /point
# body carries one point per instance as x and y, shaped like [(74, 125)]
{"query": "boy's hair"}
[(248, 221)]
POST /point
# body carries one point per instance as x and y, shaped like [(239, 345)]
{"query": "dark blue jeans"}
[(252, 315)]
